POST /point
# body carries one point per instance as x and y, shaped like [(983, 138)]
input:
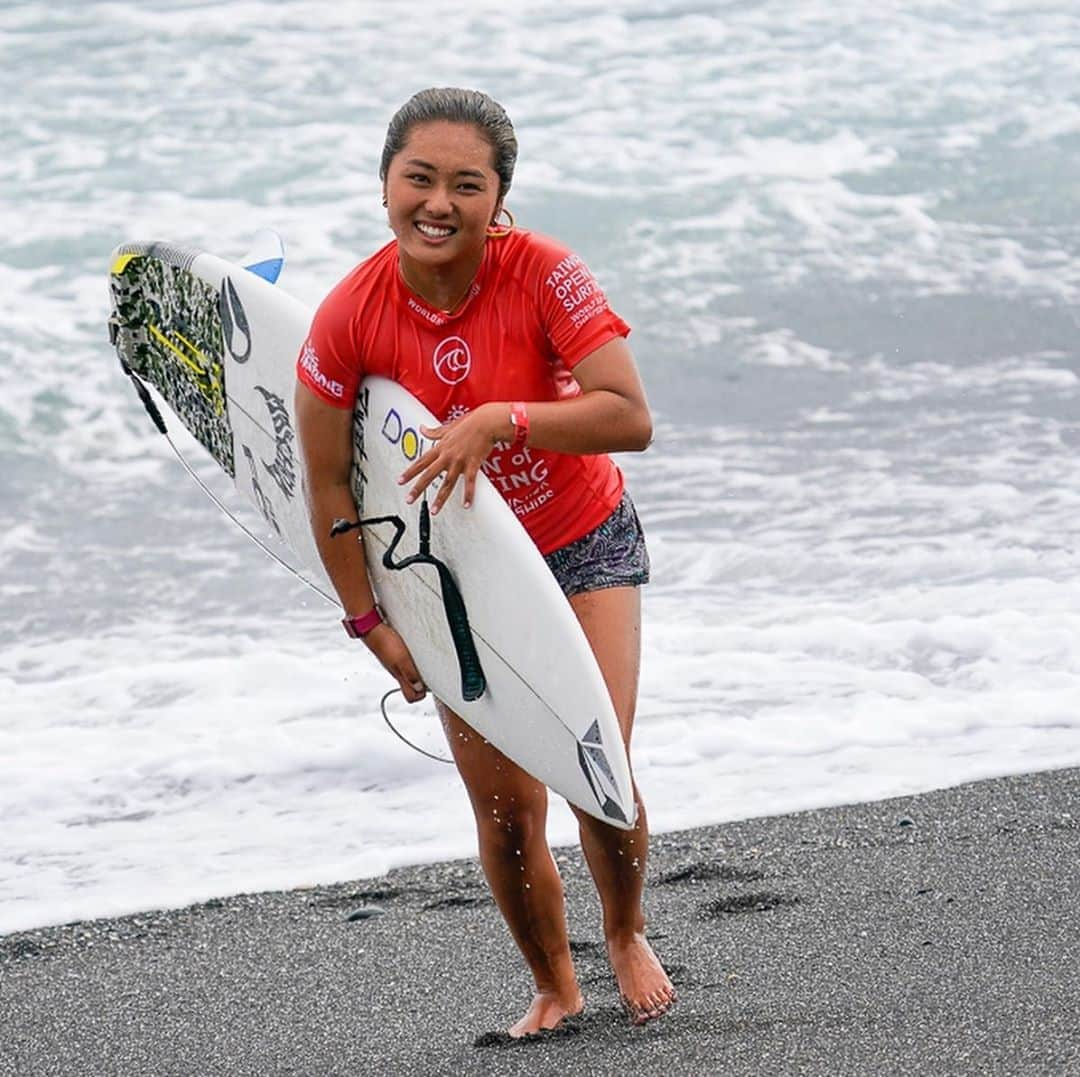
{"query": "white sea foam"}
[(846, 240)]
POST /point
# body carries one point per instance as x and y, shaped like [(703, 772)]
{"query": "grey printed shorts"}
[(611, 555)]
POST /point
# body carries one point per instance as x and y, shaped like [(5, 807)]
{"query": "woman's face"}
[(442, 192)]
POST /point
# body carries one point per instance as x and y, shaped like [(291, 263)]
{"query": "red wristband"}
[(519, 419), (358, 627)]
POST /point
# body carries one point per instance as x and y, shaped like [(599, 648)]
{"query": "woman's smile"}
[(434, 232)]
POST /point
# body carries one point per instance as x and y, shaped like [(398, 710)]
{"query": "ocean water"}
[(848, 243)]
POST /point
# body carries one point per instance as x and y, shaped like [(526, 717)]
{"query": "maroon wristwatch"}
[(358, 627)]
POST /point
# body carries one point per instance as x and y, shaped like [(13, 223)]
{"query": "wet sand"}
[(934, 934)]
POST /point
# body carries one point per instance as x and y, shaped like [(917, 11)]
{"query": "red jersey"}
[(532, 313)]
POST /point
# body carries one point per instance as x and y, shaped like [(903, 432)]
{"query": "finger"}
[(418, 465), (425, 479), (470, 487), (447, 488), (433, 432), (412, 685)]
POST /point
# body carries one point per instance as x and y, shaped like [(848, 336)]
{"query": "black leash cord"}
[(473, 681)]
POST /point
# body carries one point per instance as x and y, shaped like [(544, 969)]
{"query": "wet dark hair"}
[(455, 106)]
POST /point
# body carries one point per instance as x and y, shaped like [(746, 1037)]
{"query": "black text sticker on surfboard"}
[(234, 323), (266, 506), (283, 469), (360, 414)]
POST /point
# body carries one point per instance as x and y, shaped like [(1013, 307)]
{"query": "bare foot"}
[(646, 991), (547, 1011)]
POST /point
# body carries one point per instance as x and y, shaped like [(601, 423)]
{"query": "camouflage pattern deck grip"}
[(168, 331)]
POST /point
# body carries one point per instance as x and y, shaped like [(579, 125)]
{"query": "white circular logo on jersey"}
[(452, 360)]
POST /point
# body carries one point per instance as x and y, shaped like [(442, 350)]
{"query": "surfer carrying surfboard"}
[(506, 337)]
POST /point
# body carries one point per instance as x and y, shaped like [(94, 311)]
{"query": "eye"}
[(417, 177)]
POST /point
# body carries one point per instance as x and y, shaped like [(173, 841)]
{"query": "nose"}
[(438, 202)]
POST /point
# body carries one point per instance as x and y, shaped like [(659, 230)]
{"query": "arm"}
[(610, 415), (325, 435)]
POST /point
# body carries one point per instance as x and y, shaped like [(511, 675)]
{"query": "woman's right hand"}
[(389, 648)]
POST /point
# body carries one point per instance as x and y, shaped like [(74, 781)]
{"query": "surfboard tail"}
[(619, 808)]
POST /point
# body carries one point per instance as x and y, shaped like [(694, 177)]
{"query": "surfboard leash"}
[(473, 681), (155, 414), (401, 736)]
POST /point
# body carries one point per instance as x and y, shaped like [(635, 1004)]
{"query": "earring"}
[(384, 202), (496, 230)]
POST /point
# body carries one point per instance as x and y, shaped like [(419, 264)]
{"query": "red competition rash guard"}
[(533, 312)]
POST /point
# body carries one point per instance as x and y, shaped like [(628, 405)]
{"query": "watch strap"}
[(358, 627)]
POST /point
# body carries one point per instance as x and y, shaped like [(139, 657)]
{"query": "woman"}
[(506, 337)]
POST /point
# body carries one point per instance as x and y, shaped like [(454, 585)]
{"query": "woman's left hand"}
[(459, 449)]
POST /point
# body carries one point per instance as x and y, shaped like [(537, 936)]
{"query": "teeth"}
[(434, 231)]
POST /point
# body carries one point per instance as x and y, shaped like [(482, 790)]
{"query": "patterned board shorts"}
[(611, 555)]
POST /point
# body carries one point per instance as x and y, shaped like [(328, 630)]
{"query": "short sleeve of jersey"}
[(576, 314), (329, 363)]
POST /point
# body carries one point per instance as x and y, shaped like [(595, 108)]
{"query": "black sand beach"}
[(934, 934)]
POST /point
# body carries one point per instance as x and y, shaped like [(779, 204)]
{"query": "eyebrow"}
[(419, 163)]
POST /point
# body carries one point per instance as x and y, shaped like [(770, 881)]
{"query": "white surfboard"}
[(219, 343)]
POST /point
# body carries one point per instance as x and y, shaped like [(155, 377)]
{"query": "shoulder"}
[(525, 252), (573, 310), (345, 303), (533, 262)]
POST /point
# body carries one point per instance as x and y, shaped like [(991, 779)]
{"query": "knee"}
[(511, 830)]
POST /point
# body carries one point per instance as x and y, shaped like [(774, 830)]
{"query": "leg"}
[(511, 811), (611, 619)]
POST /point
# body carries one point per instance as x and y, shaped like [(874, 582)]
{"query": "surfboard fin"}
[(267, 255)]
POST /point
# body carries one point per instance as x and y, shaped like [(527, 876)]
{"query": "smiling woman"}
[(507, 337), (441, 151), (441, 200)]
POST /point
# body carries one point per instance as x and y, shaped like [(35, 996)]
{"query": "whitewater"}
[(847, 245)]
